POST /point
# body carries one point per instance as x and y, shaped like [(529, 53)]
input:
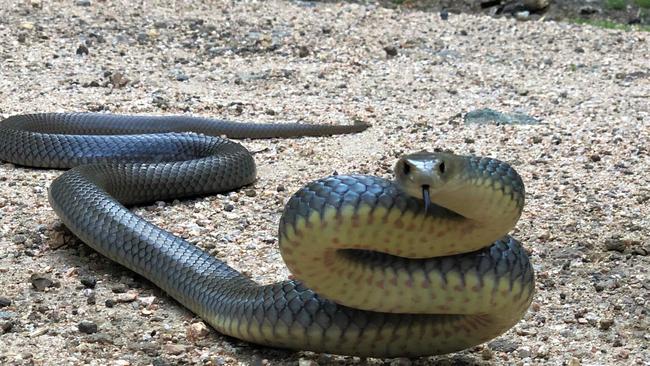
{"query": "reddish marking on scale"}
[(426, 284), (441, 233), (393, 281), (411, 227), (475, 288), (350, 274), (458, 288), (447, 333), (370, 219), (380, 284), (287, 251), (409, 283), (356, 221), (504, 293), (450, 300), (369, 281), (323, 224), (399, 223), (335, 241), (443, 307), (298, 233), (417, 299), (291, 276), (466, 300)]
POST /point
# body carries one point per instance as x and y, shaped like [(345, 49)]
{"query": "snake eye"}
[(441, 167), (406, 168)]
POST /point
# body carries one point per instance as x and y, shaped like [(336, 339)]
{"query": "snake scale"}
[(417, 266)]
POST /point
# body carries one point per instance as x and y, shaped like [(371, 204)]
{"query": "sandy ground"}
[(585, 165)]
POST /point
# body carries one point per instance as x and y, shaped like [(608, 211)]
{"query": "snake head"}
[(424, 174)]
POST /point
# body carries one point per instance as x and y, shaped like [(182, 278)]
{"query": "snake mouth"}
[(426, 198)]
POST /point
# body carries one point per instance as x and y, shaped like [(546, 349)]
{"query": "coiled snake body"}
[(418, 266)]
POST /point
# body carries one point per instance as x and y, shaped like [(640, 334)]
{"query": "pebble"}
[(87, 327), (522, 15), (82, 50), (391, 51), (303, 51), (307, 362), (4, 301), (573, 361), (129, 296), (174, 349), (120, 288), (88, 281), (40, 282), (615, 244), (197, 331), (83, 2), (109, 303), (605, 323), (6, 326), (503, 345), (490, 116)]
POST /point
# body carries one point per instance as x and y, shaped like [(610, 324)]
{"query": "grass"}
[(608, 24), (616, 4), (643, 3)]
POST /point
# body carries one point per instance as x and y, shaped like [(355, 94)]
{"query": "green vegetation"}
[(643, 3), (616, 4), (608, 24)]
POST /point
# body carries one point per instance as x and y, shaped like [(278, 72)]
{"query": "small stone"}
[(82, 3), (574, 361), (503, 345), (127, 297), (19, 239), (197, 331), (228, 207), (615, 244), (4, 301), (118, 80), (6, 326), (27, 25), (280, 188), (605, 323), (522, 15), (251, 193), (444, 14), (121, 363), (524, 352), (487, 354), (91, 299), (109, 303), (542, 351), (390, 51), (120, 289), (307, 362), (88, 281), (595, 158), (174, 349), (82, 50), (87, 327), (303, 51), (579, 50), (401, 361), (40, 282)]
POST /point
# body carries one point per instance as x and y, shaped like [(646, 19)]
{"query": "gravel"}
[(413, 76)]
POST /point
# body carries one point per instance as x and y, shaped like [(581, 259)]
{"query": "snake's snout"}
[(423, 173)]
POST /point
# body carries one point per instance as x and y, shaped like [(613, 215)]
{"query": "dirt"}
[(410, 74)]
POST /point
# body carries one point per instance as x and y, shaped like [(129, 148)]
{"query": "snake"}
[(417, 265)]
